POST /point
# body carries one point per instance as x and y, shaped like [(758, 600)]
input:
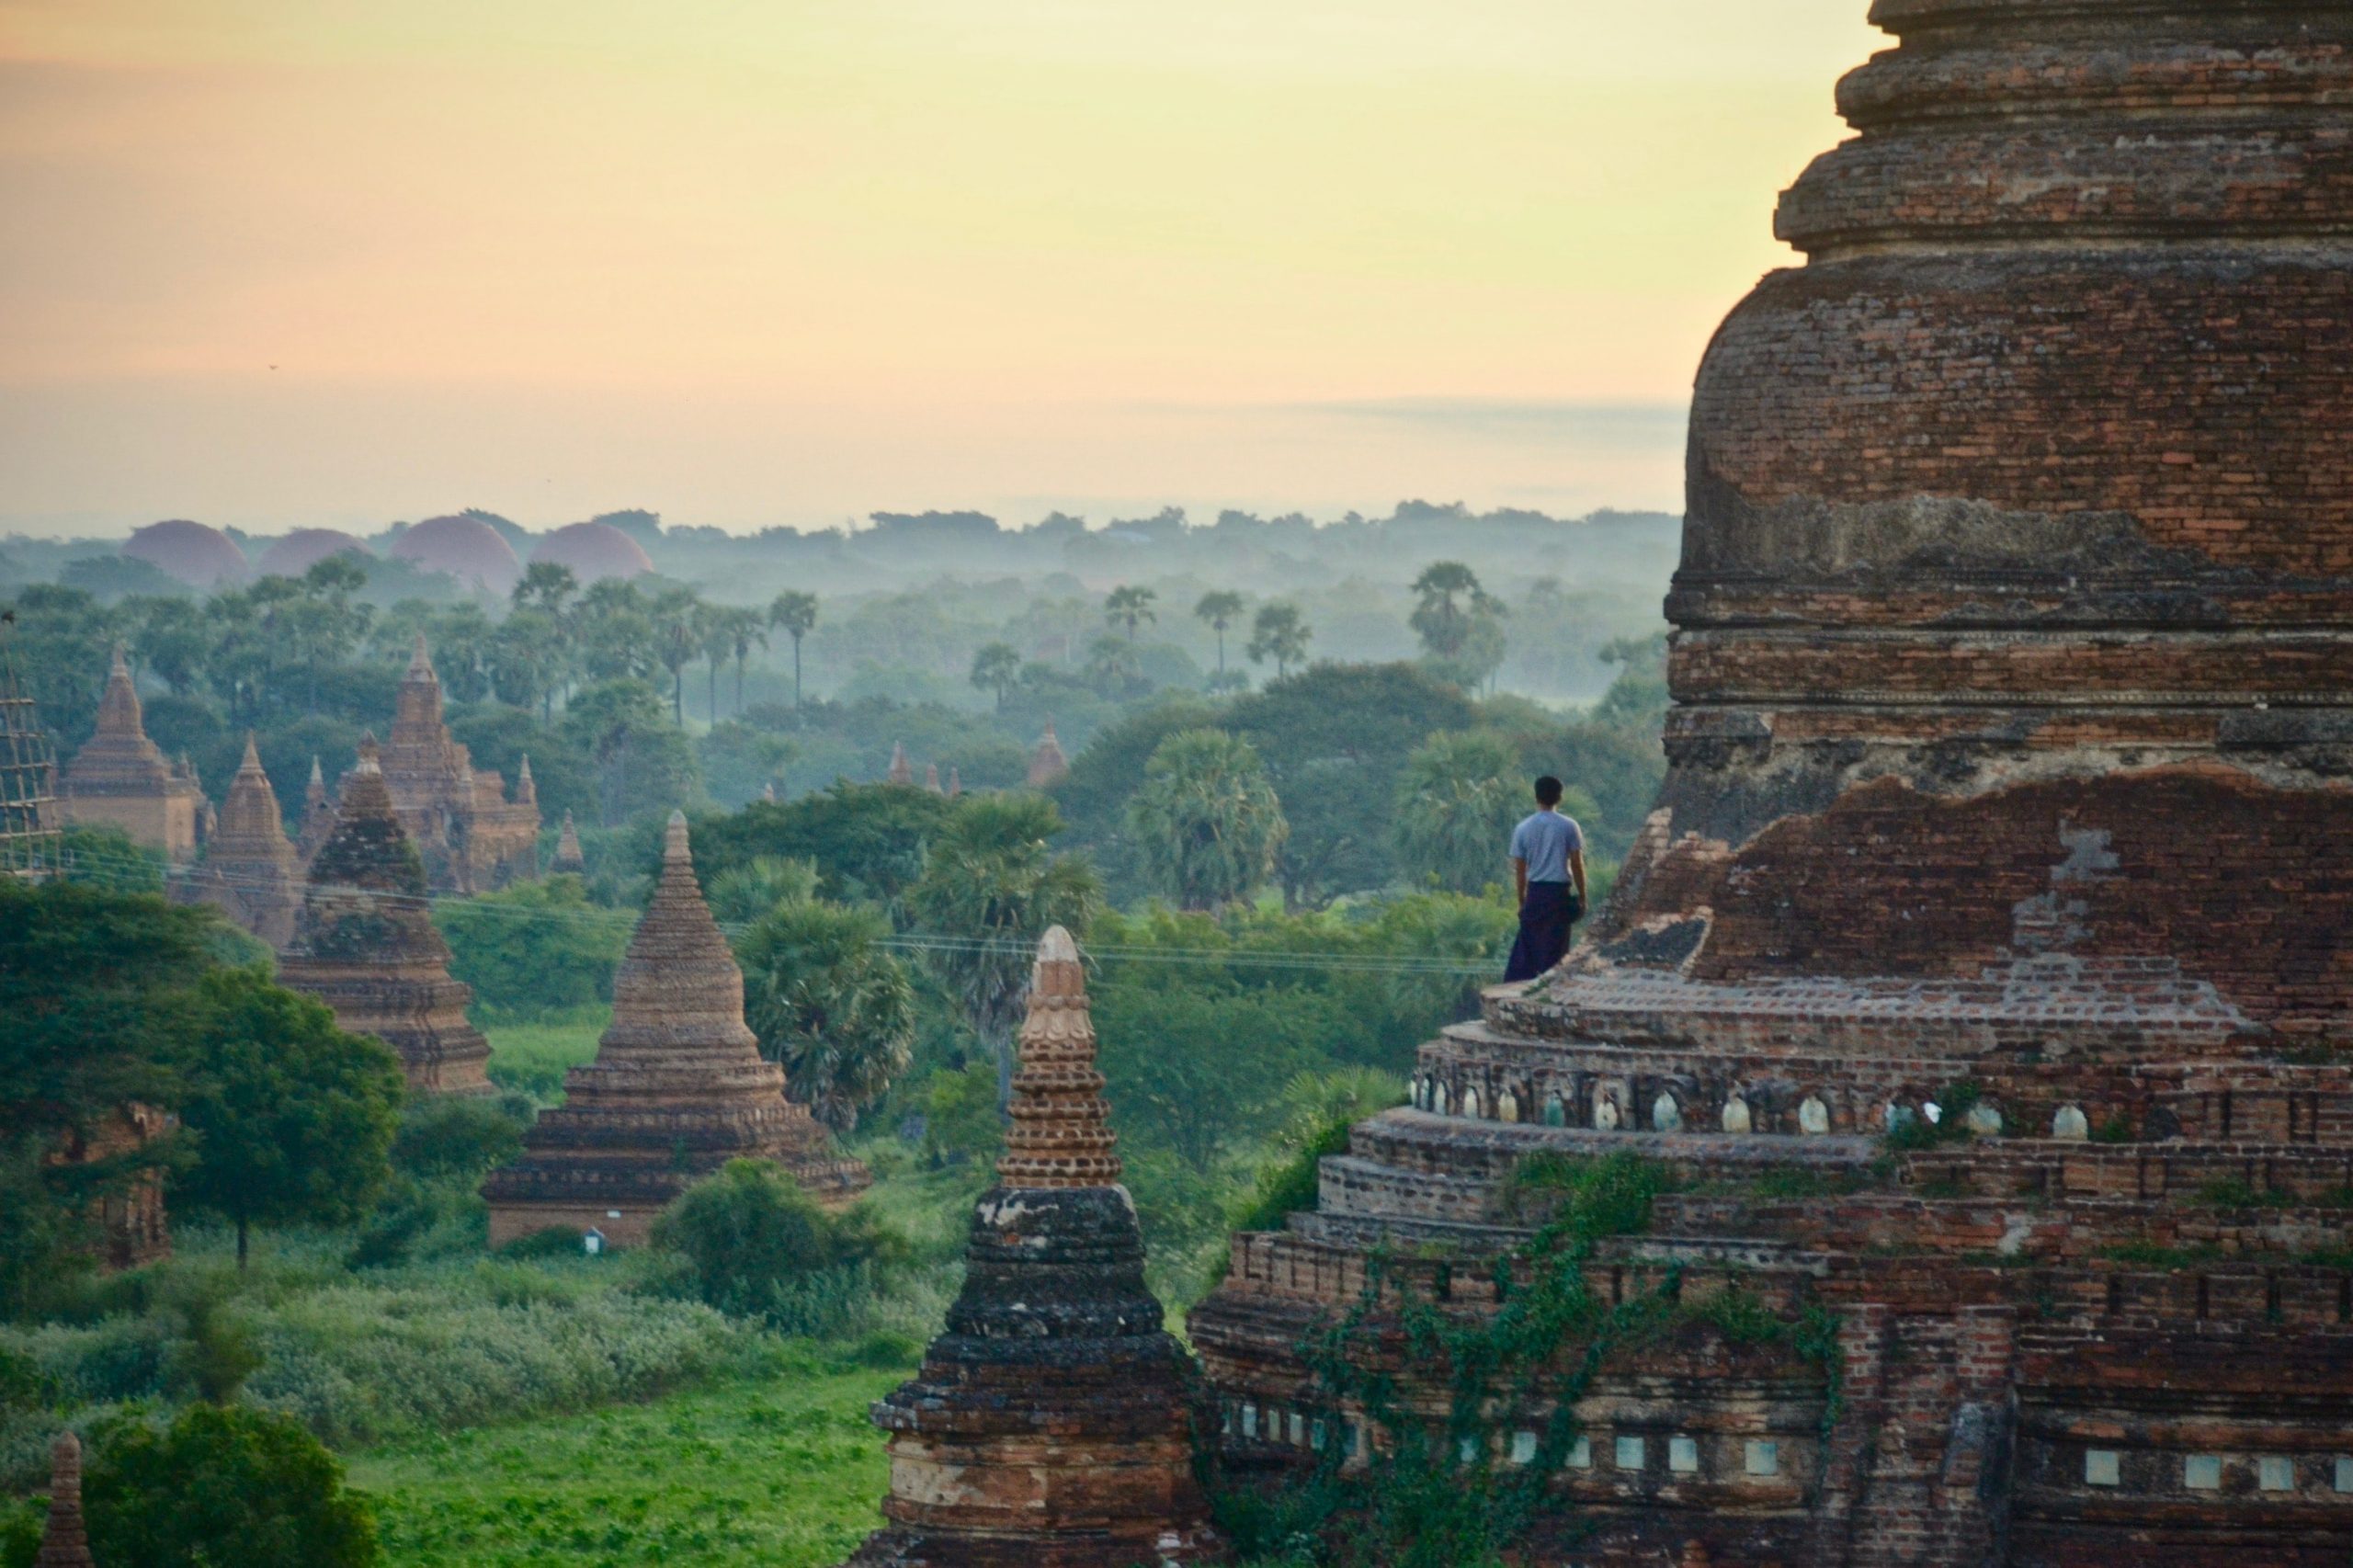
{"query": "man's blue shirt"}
[(1544, 841)]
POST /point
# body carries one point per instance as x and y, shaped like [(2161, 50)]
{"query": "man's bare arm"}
[(1520, 878), (1576, 871)]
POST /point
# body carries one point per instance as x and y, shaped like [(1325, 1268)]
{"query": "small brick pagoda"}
[(1052, 1423), (568, 857), (678, 1089), (2007, 808), (120, 777), (1048, 765), (65, 1540), (471, 836), (251, 870), (366, 945)]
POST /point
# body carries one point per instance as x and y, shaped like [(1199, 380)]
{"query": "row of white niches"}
[(2203, 1472), (1628, 1452), (1608, 1112)]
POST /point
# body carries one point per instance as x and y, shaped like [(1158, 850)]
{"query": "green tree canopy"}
[(222, 1485), (990, 889), (292, 1118), (756, 1243), (829, 1003), (866, 840), (995, 667), (1130, 606), (1207, 819), (534, 949), (1221, 608), (748, 892), (1457, 801), (1278, 632)]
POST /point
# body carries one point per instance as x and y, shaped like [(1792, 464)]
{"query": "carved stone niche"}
[(1737, 1118), (1813, 1115)]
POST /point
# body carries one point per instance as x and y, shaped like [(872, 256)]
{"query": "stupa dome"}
[(305, 548), (465, 548), (195, 553), (594, 551)]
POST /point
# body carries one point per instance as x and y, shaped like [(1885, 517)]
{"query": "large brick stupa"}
[(678, 1089), (1052, 1424), (366, 945), (2009, 808)]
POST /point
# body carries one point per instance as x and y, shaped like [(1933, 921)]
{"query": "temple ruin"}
[(1982, 978), (120, 777), (1048, 765), (678, 1089), (366, 946), (471, 836), (64, 1539), (1052, 1424), (250, 872), (568, 857)]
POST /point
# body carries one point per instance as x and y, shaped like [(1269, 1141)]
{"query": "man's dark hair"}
[(1548, 790)]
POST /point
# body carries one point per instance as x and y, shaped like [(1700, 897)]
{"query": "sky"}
[(276, 263)]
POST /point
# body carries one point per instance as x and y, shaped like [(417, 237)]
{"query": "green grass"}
[(532, 1058), (784, 1472)]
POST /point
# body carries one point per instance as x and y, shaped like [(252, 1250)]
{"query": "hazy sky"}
[(273, 262)]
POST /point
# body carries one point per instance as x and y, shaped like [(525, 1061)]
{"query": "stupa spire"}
[(119, 708), (1061, 1134), (902, 770), (931, 777), (420, 661), (527, 792), (65, 1543), (568, 857), (120, 777), (1047, 763)]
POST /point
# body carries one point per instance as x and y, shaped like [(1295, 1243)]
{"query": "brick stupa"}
[(472, 838), (1052, 1425), (366, 944), (568, 857), (66, 1541), (251, 871), (120, 777), (678, 1089), (2007, 807), (1048, 765)]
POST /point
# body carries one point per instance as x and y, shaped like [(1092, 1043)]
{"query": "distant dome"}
[(195, 553), (594, 551), (305, 548), (466, 548)]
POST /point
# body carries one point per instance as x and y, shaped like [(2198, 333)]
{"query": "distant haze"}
[(272, 263)]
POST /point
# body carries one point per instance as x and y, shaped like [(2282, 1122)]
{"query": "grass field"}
[(533, 1057), (785, 1473)]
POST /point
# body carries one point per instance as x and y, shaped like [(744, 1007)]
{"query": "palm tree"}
[(1457, 799), (1279, 635), (1220, 610), (677, 637), (746, 632), (1130, 607), (1442, 624), (546, 584), (991, 887), (830, 1004), (995, 667), (797, 613), (717, 642), (1206, 819)]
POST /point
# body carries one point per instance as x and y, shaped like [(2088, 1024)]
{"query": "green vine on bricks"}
[(1421, 1502)]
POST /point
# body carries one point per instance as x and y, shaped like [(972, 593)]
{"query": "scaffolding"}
[(30, 843)]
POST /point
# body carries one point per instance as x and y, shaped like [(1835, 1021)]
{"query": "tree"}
[(866, 840), (1207, 819), (746, 893), (171, 640), (1130, 606), (643, 762), (989, 890), (995, 667), (292, 1118), (796, 612), (93, 990), (1279, 633), (1460, 623), (533, 949), (546, 584), (1220, 610), (746, 632), (1112, 666), (525, 659), (1457, 801), (829, 1003), (223, 1484), (678, 638), (754, 1240)]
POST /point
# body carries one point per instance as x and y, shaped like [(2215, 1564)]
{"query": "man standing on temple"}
[(1547, 857)]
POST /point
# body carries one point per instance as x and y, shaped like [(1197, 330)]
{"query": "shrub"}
[(534, 949), (761, 1247), (235, 1485)]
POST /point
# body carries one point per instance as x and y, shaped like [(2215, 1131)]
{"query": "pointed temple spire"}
[(470, 835), (527, 792), (365, 943), (678, 1089), (955, 781), (1051, 1423), (768, 791), (931, 778), (902, 770), (120, 777), (318, 812), (65, 1543), (568, 857), (1047, 764), (251, 871)]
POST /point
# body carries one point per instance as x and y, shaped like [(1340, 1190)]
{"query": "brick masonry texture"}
[(2011, 768)]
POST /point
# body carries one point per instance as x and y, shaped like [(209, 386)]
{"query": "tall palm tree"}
[(994, 668), (1130, 606), (1220, 610), (746, 632), (1279, 633), (797, 613)]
